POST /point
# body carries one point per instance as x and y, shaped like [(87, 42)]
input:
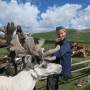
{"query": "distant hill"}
[(72, 35)]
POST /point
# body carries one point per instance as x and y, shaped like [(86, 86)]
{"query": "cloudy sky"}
[(45, 15)]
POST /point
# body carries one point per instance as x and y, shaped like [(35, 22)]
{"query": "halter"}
[(34, 74)]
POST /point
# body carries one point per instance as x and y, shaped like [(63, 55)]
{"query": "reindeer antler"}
[(51, 51)]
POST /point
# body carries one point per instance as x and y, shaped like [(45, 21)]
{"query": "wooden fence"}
[(80, 63)]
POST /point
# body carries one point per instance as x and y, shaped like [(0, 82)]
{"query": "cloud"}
[(83, 19), (23, 14), (33, 20), (63, 15), (68, 15)]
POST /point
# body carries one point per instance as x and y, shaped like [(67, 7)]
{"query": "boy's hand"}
[(58, 40)]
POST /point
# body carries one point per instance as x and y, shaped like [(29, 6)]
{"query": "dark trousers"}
[(52, 82), (34, 88)]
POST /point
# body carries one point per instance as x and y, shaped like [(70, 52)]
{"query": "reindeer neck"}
[(25, 80)]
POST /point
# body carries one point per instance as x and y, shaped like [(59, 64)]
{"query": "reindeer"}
[(27, 78)]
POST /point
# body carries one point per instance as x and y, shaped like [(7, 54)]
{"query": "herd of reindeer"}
[(27, 61)]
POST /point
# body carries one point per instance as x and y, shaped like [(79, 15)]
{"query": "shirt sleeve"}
[(63, 49)]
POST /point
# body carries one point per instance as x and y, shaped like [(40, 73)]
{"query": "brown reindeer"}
[(78, 50)]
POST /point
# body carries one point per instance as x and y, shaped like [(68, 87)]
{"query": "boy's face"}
[(61, 34)]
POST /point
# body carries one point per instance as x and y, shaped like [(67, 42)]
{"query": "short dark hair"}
[(59, 28)]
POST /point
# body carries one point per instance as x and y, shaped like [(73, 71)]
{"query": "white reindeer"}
[(26, 80)]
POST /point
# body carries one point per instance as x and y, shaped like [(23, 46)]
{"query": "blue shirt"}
[(63, 57)]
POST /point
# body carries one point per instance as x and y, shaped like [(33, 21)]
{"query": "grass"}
[(72, 35), (3, 52), (70, 85)]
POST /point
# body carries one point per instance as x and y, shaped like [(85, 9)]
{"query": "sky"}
[(45, 15)]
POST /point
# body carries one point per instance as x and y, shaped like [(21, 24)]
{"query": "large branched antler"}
[(48, 54), (51, 51), (31, 46), (16, 45), (8, 32)]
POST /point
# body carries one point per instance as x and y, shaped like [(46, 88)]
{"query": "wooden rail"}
[(83, 62), (81, 69), (86, 61)]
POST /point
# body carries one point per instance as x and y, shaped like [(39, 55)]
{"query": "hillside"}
[(72, 35)]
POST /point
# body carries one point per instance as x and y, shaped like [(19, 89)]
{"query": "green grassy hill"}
[(72, 35)]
